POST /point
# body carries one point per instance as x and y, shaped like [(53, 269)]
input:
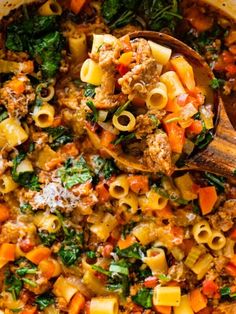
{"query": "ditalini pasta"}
[(94, 217)]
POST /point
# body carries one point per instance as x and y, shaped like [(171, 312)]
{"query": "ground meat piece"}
[(145, 124), (68, 95), (157, 155), (141, 79), (142, 49), (225, 308), (76, 119), (17, 100), (224, 218)]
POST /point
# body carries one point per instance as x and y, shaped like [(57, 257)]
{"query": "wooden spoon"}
[(220, 155)]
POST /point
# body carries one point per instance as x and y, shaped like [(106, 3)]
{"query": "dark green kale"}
[(47, 238), (75, 172), (69, 254), (13, 284), (89, 91), (133, 251), (26, 208), (204, 138), (40, 37), (217, 181), (123, 138), (104, 167), (27, 179), (94, 115), (217, 83), (44, 300), (143, 298), (3, 113), (59, 136)]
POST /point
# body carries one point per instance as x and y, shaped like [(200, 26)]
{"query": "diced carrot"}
[(195, 127), (138, 183), (4, 212), (233, 234), (56, 121), (17, 86), (76, 5), (199, 21), (175, 133), (162, 309), (124, 243), (210, 288), (77, 304), (150, 282), (29, 310), (207, 199), (165, 212), (107, 138), (173, 106), (228, 57), (7, 252), (231, 68), (233, 260), (197, 300), (50, 268), (126, 58), (103, 193), (230, 269), (178, 233), (38, 254), (184, 71)]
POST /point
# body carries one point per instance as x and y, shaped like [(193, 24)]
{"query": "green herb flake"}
[(89, 91), (44, 300), (123, 138), (143, 298), (216, 83), (13, 284)]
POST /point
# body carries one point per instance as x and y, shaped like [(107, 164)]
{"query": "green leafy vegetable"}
[(133, 251), (13, 284), (29, 282), (143, 298), (89, 90), (27, 179), (204, 138), (59, 136), (69, 254), (123, 138), (225, 292), (101, 270), (120, 267), (75, 172), (44, 300), (91, 254), (216, 83), (215, 180), (25, 270), (172, 197), (26, 208), (47, 238), (122, 108), (104, 167), (3, 114), (90, 104)]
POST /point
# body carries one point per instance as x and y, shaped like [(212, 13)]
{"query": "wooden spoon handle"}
[(220, 155)]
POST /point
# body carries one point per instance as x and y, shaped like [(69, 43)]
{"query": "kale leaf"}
[(47, 238), (13, 284), (133, 251), (27, 179), (44, 300), (69, 254), (59, 136), (143, 298), (89, 90), (216, 83), (104, 167), (94, 116), (217, 181), (75, 172)]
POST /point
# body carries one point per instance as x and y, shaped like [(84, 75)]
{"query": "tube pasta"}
[(91, 72), (166, 296), (13, 132), (44, 156), (157, 97), (125, 121), (78, 47), (145, 232), (160, 53), (119, 188), (193, 256), (202, 266), (99, 40), (229, 248), (93, 283), (217, 240), (156, 260), (184, 307), (48, 89), (25, 166), (44, 115), (173, 84), (50, 223), (104, 228), (104, 305), (129, 203), (152, 201), (63, 288), (51, 7), (202, 232), (7, 184)]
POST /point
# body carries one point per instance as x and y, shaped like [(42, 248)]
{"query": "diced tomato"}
[(227, 57), (150, 282), (210, 288), (107, 249), (103, 193), (122, 69), (231, 69), (196, 127)]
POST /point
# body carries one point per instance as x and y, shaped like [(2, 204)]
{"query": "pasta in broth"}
[(82, 231)]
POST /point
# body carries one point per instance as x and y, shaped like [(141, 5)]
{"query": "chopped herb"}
[(109, 168), (122, 108), (225, 292), (44, 300), (94, 117), (59, 136), (119, 268), (27, 179), (13, 284), (69, 254), (217, 181), (29, 282), (89, 90), (143, 298), (75, 172), (47, 238), (124, 138), (133, 251), (234, 172), (25, 270), (154, 119), (3, 114), (101, 270), (196, 208), (143, 273), (164, 277), (217, 83), (204, 138), (91, 254), (172, 197), (26, 208)]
